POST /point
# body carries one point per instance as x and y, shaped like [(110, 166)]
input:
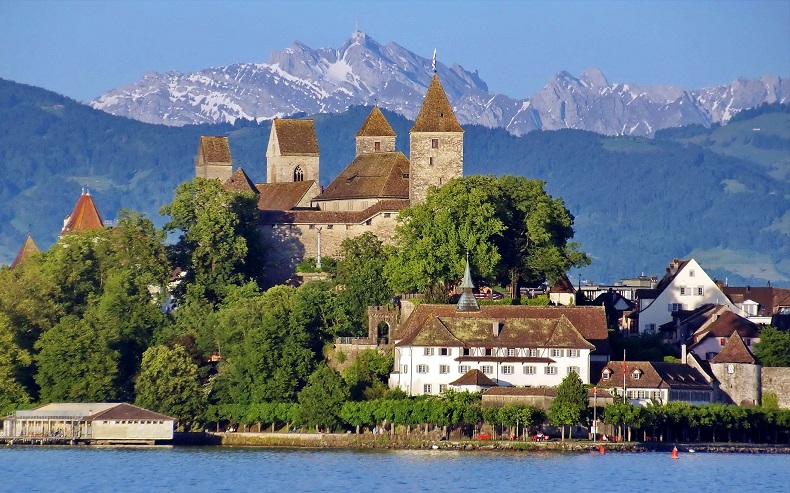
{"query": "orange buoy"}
[(601, 449), (675, 453)]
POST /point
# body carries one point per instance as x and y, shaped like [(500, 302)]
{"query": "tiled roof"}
[(296, 137), (129, 411), (314, 216), (653, 375), (436, 114), (521, 326), (282, 196), (735, 351), (29, 248), (563, 285), (215, 149), (723, 323), (539, 391), (84, 217), (376, 175), (672, 271), (474, 377), (769, 298), (240, 182), (376, 125)]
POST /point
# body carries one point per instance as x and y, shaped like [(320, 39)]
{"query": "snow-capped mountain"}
[(364, 72)]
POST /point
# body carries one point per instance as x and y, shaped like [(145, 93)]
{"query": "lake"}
[(211, 469)]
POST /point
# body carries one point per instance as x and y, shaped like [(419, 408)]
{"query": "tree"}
[(322, 398), (570, 403), (14, 362), (774, 347), (360, 277), (219, 243), (168, 383), (367, 375)]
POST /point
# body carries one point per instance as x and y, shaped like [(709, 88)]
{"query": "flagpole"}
[(625, 394)]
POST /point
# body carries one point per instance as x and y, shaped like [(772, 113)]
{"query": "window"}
[(377, 146), (573, 353), (445, 351), (311, 226), (426, 389), (529, 370), (466, 351), (298, 174), (430, 161), (655, 395), (487, 369), (422, 368), (434, 143), (747, 341), (550, 370), (405, 368), (606, 374), (650, 327), (428, 351), (489, 351), (463, 369), (691, 273), (674, 307), (722, 341), (699, 291), (387, 214), (682, 291), (556, 353), (511, 351), (573, 369), (507, 370), (533, 353), (641, 394), (730, 368), (443, 369), (636, 374), (330, 226), (442, 388)]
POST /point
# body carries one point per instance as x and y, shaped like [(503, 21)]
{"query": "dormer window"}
[(607, 373), (636, 374)]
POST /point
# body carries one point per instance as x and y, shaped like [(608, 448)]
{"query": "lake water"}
[(204, 469)]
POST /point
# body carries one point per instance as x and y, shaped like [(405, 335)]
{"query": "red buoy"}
[(674, 452), (601, 449)]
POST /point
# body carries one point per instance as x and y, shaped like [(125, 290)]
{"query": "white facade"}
[(711, 346), (690, 288), (431, 370)]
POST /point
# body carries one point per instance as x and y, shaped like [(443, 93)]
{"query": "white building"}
[(647, 381), (511, 345), (685, 287)]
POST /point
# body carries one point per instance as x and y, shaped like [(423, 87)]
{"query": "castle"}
[(299, 219)]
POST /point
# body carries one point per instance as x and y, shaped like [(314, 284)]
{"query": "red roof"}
[(29, 248), (84, 217), (474, 377)]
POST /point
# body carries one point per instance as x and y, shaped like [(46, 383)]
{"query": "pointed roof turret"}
[(436, 114), (376, 125), (240, 182), (467, 301), (85, 216), (29, 248), (735, 351)]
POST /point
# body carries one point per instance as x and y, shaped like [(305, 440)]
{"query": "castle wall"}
[(367, 145), (776, 380), (220, 171), (431, 166), (280, 169), (347, 205), (739, 383)]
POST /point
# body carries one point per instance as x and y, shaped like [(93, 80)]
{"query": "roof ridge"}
[(436, 113)]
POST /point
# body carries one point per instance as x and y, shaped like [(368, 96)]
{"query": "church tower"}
[(213, 158), (436, 144), (292, 154), (376, 134)]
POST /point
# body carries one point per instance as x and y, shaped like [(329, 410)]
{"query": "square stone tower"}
[(436, 144), (213, 158), (376, 134), (292, 154)]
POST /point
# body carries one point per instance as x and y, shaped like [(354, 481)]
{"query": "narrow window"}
[(434, 143), (430, 161), (377, 146), (442, 388), (298, 174)]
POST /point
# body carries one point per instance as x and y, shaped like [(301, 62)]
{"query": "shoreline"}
[(384, 442)]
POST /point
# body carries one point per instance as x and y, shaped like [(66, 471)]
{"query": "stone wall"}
[(738, 383), (776, 380), (434, 166), (366, 145), (280, 169), (347, 205), (220, 171)]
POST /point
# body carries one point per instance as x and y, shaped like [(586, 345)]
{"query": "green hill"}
[(720, 194)]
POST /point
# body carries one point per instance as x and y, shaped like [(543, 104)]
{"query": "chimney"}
[(683, 354), (497, 327)]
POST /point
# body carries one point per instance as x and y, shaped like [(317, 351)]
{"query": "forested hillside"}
[(720, 194)]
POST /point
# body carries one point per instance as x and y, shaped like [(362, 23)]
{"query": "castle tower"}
[(29, 248), (376, 134), (85, 216), (213, 158), (436, 144), (292, 154)]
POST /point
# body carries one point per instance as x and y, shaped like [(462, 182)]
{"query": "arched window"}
[(298, 174)]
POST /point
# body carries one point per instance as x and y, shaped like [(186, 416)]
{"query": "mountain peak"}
[(594, 76)]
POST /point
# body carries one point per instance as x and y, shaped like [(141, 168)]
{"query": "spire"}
[(29, 247), (436, 114), (467, 301), (85, 216), (376, 125)]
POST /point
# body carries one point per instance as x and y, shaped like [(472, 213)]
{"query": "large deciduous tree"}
[(14, 362), (774, 347), (321, 401), (570, 403)]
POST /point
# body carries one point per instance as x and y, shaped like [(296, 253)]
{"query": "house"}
[(715, 330), (298, 219), (92, 422), (473, 381), (617, 308), (648, 381), (685, 286), (510, 345), (562, 292), (759, 304), (28, 249)]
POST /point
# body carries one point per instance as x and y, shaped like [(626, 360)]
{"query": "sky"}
[(84, 48)]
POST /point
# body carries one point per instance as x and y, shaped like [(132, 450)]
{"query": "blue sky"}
[(84, 48)]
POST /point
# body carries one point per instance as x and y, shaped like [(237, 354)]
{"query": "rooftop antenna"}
[(433, 62)]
